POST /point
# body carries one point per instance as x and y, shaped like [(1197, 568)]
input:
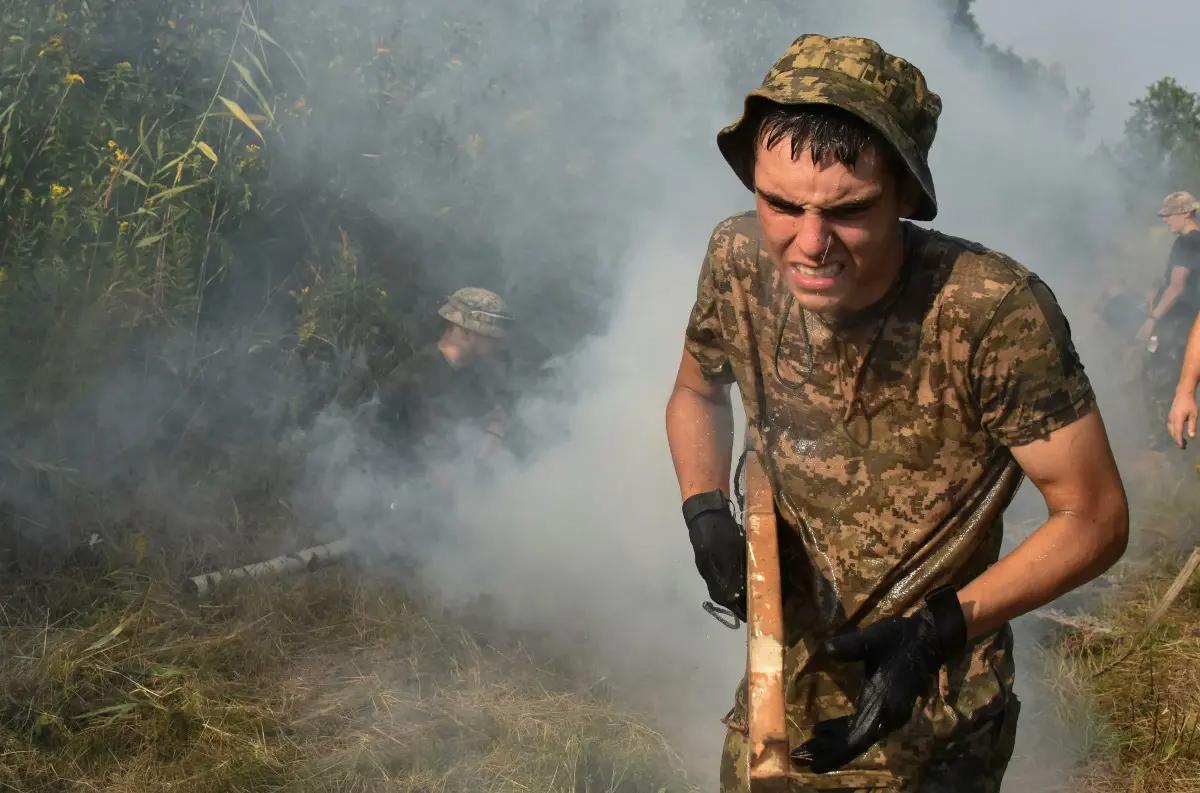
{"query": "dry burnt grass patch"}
[(331, 681)]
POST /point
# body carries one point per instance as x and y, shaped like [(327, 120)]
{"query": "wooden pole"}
[(768, 749), (1173, 593)]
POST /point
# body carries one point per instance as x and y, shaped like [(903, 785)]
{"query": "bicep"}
[(690, 378), (1073, 467), (1179, 276)]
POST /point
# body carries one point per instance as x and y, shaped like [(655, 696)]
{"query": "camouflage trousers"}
[(976, 767)]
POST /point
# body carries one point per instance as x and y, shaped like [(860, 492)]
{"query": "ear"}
[(908, 194)]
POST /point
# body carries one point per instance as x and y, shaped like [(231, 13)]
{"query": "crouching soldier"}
[(454, 381)]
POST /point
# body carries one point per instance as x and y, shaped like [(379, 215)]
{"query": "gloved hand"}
[(902, 656), (719, 544)]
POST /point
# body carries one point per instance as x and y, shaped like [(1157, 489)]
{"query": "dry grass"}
[(328, 681), (1136, 690)]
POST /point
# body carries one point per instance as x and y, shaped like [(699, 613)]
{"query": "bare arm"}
[(699, 431), (1189, 377), (1085, 534), (1179, 276)]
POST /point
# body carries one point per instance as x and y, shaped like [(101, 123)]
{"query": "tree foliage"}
[(1162, 137)]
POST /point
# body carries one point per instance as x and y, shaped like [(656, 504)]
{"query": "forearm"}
[(1067, 551), (700, 434), (1170, 295), (1189, 377)]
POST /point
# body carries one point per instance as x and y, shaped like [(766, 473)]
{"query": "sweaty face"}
[(832, 232)]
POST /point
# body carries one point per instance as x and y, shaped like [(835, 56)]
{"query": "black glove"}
[(902, 656), (719, 544)]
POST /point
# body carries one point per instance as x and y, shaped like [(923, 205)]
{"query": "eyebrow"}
[(779, 202)]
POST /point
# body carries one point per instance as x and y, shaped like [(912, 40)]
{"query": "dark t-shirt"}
[(1185, 252)]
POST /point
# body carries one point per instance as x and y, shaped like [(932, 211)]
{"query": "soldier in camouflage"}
[(898, 384), (454, 379)]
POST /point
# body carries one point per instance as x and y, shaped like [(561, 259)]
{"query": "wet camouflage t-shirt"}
[(886, 438)]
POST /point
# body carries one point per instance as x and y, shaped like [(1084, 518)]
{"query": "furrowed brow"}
[(849, 205), (781, 203)]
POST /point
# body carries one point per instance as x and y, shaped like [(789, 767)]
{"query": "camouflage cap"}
[(858, 76), (1179, 203), (478, 310)]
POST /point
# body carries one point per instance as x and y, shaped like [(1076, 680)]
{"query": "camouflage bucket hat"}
[(856, 75), (478, 310), (1179, 203)]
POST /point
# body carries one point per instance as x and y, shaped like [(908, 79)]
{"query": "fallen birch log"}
[(305, 560)]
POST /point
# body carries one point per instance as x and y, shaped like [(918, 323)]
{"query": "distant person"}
[(896, 382), (1174, 307), (449, 382)]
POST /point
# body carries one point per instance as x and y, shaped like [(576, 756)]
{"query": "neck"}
[(1189, 227)]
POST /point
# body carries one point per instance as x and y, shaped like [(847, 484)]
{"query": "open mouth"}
[(824, 271), (815, 279)]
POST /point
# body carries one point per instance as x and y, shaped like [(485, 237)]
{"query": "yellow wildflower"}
[(301, 105), (53, 45), (383, 293), (73, 78), (171, 24), (61, 17), (57, 191), (123, 66)]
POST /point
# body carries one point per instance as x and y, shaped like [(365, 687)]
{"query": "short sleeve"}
[(705, 339), (1028, 378), (1187, 253)]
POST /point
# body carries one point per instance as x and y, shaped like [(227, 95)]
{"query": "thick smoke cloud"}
[(564, 154), (586, 539), (1118, 49)]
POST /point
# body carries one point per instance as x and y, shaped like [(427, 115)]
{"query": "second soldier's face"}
[(483, 346), (474, 346), (1175, 223), (832, 232), (464, 347)]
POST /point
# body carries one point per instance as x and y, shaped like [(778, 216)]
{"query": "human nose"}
[(813, 238)]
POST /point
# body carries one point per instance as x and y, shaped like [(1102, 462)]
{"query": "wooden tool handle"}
[(768, 747)]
